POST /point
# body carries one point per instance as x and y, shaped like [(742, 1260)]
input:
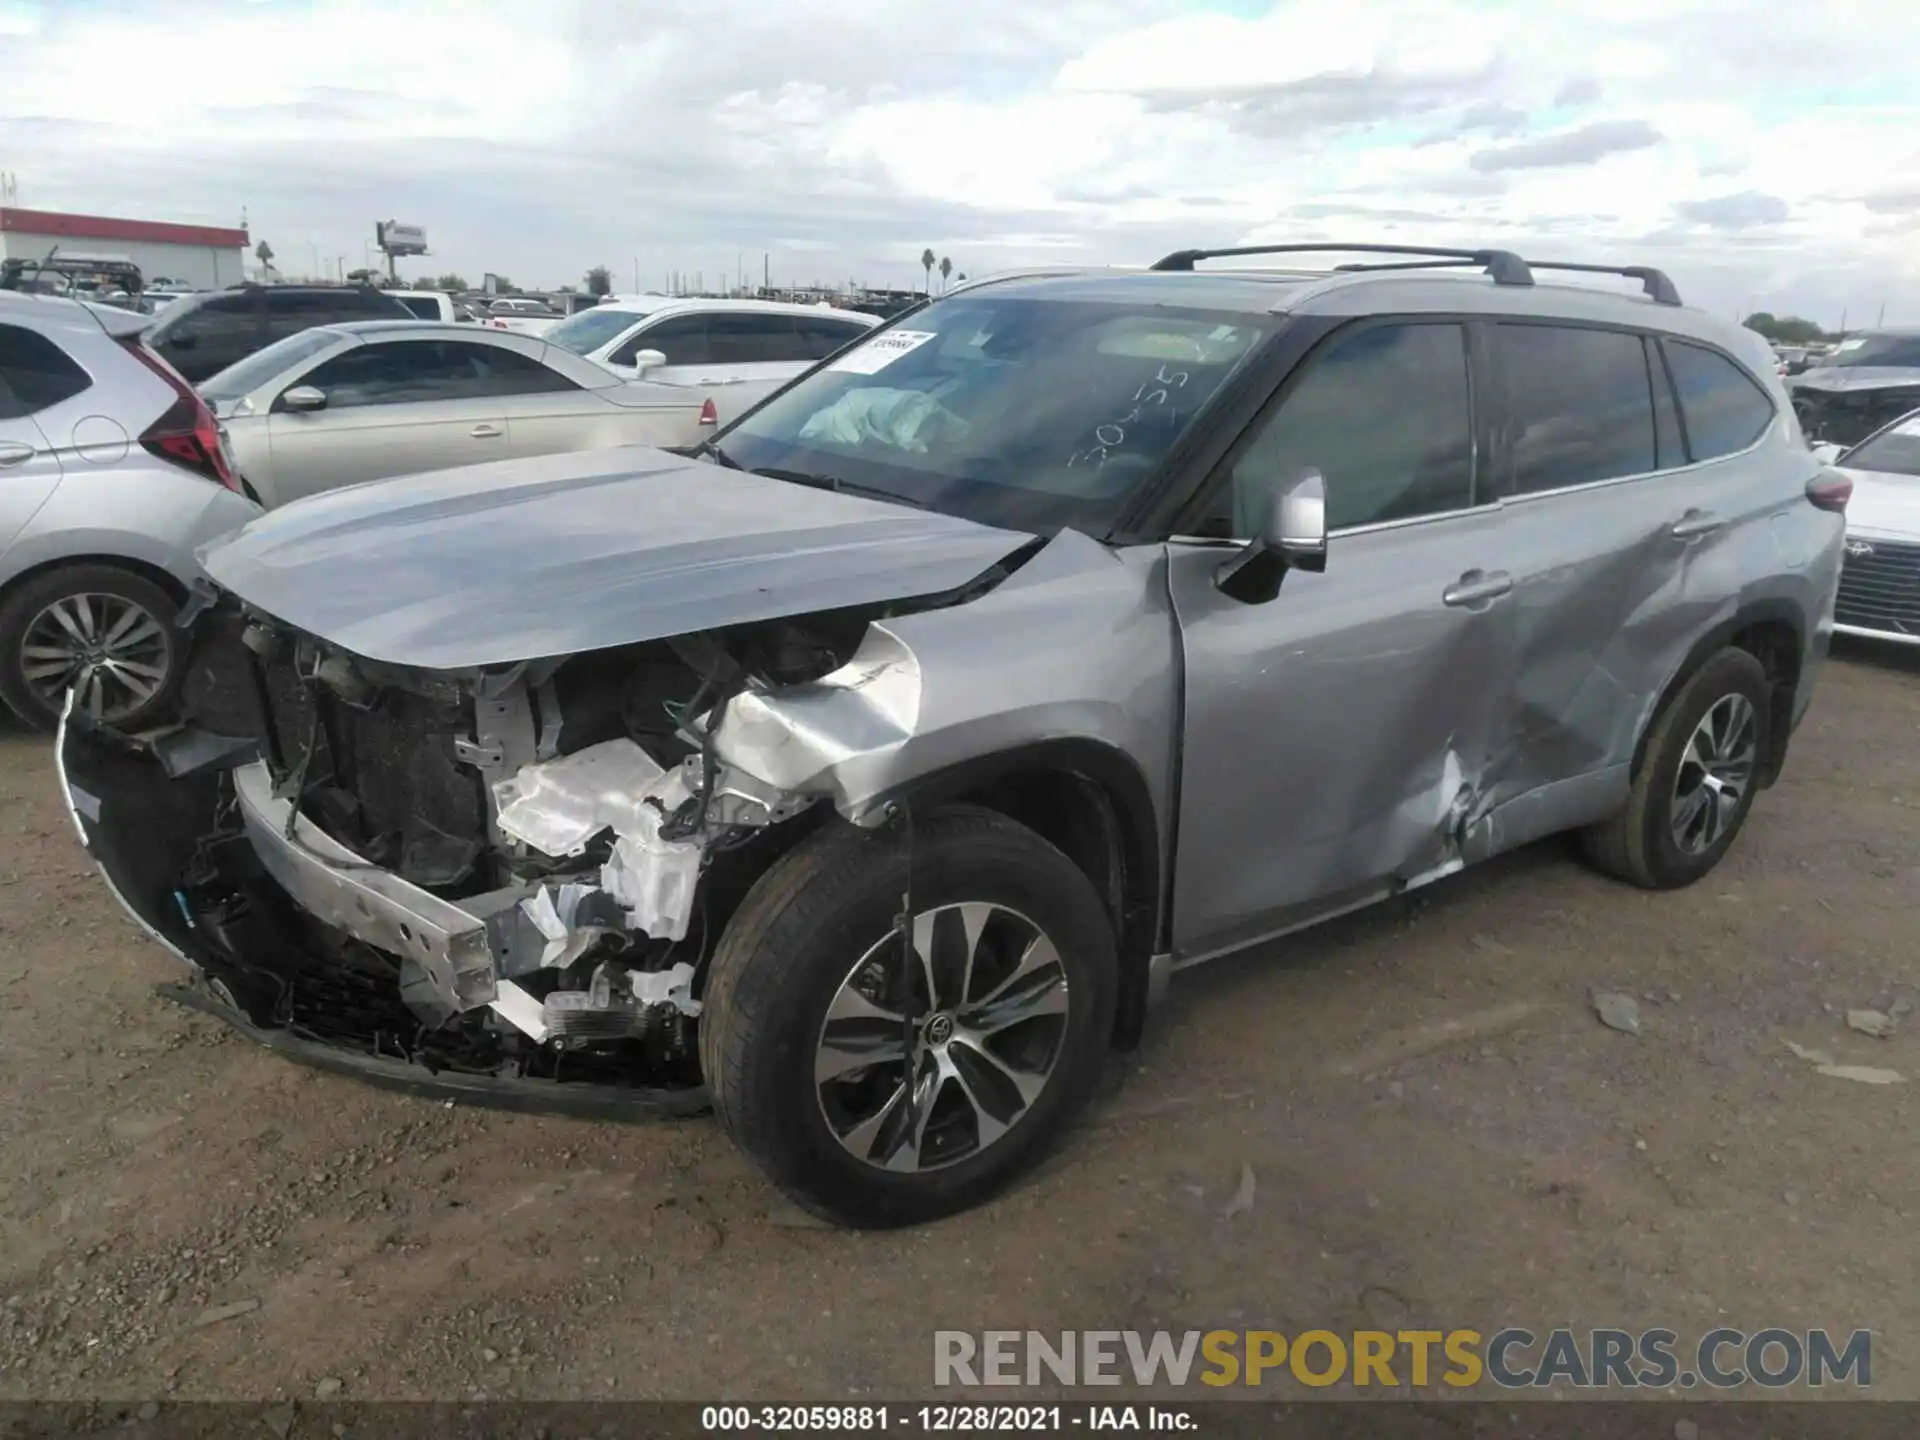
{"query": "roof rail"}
[(1654, 282), (1504, 266)]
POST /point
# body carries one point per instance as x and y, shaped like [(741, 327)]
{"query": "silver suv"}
[(867, 774)]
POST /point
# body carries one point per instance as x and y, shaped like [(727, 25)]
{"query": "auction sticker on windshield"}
[(881, 351)]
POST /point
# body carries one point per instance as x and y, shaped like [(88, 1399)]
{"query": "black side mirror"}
[(1292, 536)]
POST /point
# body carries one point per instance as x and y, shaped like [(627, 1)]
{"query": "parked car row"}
[(866, 770)]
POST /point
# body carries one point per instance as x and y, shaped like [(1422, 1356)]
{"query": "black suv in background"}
[(201, 335)]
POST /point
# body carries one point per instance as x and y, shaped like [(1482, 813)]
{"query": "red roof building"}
[(199, 255)]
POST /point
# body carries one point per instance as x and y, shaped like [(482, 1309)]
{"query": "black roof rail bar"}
[(1504, 266), (1654, 282), (1406, 265)]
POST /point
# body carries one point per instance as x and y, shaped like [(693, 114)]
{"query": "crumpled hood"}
[(1884, 504), (1839, 379), (522, 559)]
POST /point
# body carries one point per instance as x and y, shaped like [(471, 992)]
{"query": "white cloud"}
[(1747, 147)]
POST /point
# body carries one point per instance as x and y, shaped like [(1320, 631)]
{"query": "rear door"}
[(393, 407), (36, 376), (1616, 544), (1335, 736)]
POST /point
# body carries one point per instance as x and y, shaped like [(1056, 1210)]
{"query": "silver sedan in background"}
[(339, 404)]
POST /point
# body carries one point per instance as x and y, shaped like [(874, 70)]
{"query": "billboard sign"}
[(398, 239)]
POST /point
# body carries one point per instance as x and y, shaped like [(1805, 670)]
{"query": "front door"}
[(1335, 736), (393, 408)]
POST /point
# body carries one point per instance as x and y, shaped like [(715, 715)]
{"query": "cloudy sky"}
[(1766, 153)]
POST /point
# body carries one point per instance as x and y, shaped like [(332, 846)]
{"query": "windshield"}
[(1894, 451), (1027, 413), (590, 329), (243, 377), (1902, 351)]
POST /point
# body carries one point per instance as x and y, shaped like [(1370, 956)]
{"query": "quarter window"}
[(1579, 405), (35, 373), (1382, 413), (1725, 410)]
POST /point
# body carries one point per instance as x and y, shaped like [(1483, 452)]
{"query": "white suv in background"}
[(734, 350), (112, 474)]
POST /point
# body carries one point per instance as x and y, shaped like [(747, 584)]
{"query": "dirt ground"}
[(1440, 1131)]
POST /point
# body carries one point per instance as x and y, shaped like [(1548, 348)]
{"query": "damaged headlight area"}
[(514, 876)]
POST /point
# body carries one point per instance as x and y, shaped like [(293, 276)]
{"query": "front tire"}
[(881, 1088), (102, 631), (1696, 782)]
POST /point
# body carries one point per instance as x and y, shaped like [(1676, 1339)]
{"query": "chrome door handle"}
[(485, 432), (1693, 524), (1476, 586), (12, 453)]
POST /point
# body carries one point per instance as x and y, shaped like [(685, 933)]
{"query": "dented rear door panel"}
[(1335, 737)]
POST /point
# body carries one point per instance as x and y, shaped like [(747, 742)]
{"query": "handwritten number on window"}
[(1112, 434)]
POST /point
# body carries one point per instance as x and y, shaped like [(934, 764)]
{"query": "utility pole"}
[(766, 273), (636, 274), (1843, 320), (1883, 316)]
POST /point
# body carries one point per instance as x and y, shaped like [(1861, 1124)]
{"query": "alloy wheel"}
[(1716, 771), (112, 652), (927, 1058)]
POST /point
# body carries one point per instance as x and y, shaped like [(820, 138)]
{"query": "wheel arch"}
[(145, 569), (1091, 801), (1773, 632)]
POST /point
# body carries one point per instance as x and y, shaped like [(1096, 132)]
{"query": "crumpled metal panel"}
[(526, 559), (1077, 644)]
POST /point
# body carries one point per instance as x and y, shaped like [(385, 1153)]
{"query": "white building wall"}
[(204, 267)]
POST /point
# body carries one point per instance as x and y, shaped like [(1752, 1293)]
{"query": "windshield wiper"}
[(708, 447), (837, 485)]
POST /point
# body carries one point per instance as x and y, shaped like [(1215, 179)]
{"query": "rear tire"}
[(142, 661), (1681, 815), (1002, 1048)]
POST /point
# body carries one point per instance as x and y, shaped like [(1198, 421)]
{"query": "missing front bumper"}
[(299, 951)]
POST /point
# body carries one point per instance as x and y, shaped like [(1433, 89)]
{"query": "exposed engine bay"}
[(516, 873)]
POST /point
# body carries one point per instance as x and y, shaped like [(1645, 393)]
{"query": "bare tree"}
[(599, 281)]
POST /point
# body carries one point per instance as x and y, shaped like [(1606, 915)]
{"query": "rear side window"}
[(1382, 413), (749, 339), (820, 337), (291, 311), (507, 372), (35, 373), (1579, 406), (425, 307), (1724, 408)]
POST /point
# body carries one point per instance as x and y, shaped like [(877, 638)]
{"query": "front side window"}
[(35, 373), (1579, 405), (1724, 408), (1382, 413), (591, 329), (1012, 410), (402, 373), (223, 321), (243, 377), (1894, 451), (682, 339)]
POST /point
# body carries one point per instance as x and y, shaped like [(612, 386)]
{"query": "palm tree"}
[(946, 269), (263, 252), (926, 264)]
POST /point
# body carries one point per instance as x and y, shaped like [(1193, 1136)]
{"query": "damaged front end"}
[(499, 883)]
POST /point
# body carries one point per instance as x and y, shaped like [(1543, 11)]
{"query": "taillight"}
[(708, 414), (187, 433), (1830, 490)]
